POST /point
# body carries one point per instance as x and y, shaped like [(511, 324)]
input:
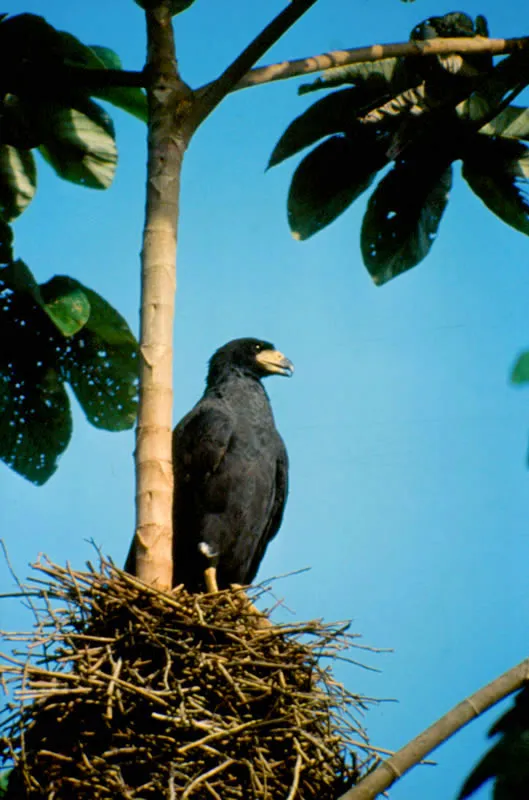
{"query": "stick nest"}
[(121, 691)]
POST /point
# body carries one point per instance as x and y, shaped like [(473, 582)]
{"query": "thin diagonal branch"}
[(376, 52), (388, 772), (215, 92)]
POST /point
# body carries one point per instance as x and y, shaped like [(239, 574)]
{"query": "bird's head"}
[(252, 357)]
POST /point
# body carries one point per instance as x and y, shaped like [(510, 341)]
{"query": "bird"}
[(230, 472)]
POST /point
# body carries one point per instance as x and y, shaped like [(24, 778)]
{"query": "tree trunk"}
[(169, 103)]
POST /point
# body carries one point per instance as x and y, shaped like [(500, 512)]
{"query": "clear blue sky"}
[(409, 488)]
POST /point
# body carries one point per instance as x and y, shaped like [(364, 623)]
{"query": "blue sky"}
[(409, 487)]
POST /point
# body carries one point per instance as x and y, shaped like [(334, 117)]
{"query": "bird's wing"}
[(200, 443), (276, 511)]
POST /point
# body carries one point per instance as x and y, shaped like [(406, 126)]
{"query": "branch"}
[(213, 93), (376, 52), (388, 772)]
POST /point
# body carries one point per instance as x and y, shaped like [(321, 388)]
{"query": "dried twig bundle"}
[(125, 692)]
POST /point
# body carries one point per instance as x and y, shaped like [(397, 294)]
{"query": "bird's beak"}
[(275, 362)]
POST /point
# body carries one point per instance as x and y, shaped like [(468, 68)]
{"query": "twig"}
[(201, 778), (211, 95), (295, 781)]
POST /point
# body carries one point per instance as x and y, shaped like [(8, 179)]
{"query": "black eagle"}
[(230, 470)]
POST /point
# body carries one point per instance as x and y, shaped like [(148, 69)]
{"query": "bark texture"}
[(169, 103)]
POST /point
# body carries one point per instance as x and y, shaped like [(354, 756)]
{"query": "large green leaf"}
[(18, 181), (27, 39), (35, 420), (79, 144), (101, 365), (61, 298), (497, 170), (99, 360), (328, 180), (334, 113), (520, 371), (6, 242), (127, 98), (403, 215), (506, 80)]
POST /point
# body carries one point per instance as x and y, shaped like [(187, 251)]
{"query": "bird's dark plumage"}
[(230, 468)]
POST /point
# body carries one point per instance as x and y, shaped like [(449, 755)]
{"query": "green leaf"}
[(80, 145), (334, 113), (66, 304), (329, 179), (128, 98), (402, 217), (4, 780), (26, 39), (101, 365), (520, 371), (61, 298), (508, 77), (18, 181), (106, 57), (17, 277), (497, 170), (6, 242), (511, 123), (176, 6), (35, 421), (100, 361)]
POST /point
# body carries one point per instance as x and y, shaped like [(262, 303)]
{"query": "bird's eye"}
[(258, 347)]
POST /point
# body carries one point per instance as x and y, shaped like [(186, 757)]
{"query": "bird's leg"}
[(210, 578)]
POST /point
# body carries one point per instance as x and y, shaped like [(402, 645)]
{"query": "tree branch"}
[(376, 52), (213, 93), (388, 772)]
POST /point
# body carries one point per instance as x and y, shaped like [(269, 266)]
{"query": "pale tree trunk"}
[(174, 113), (169, 99)]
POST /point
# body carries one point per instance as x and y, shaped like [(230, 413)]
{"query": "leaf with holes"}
[(100, 360), (18, 181), (497, 170), (79, 144), (35, 420), (335, 113), (520, 371), (402, 217), (101, 365), (329, 179), (62, 298)]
